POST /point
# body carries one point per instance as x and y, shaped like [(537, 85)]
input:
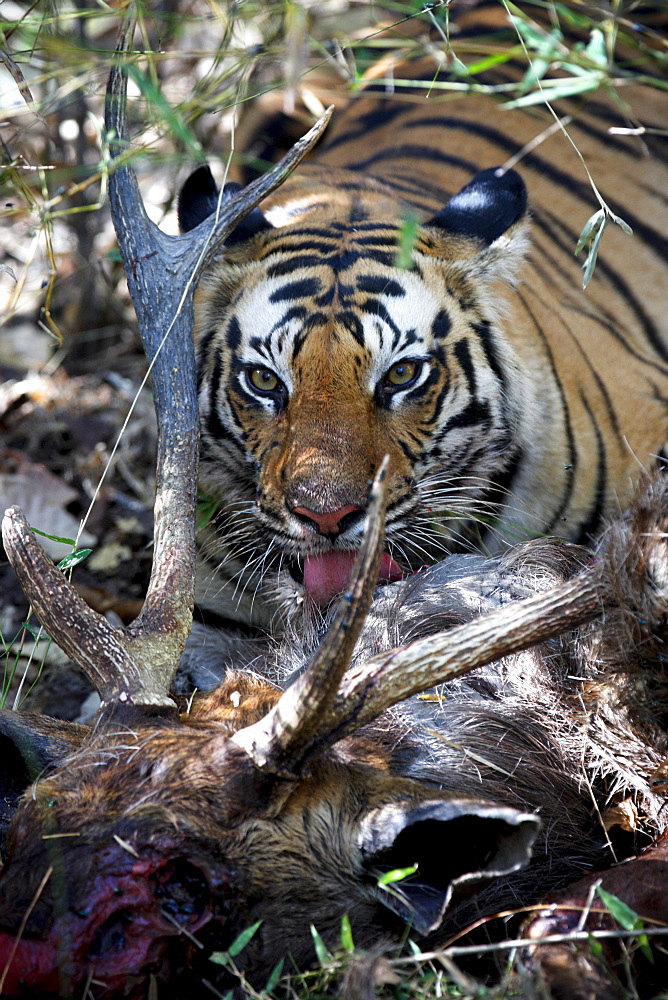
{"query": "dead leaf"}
[(623, 814), (43, 498), (109, 557)]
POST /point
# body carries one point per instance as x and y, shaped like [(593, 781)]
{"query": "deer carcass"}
[(153, 839)]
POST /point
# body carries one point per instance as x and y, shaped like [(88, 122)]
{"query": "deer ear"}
[(198, 199), (452, 843), (487, 207), (30, 745)]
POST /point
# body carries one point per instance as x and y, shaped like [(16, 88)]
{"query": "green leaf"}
[(36, 633), (396, 875), (545, 43), (407, 237), (347, 942), (536, 71), (205, 511), (276, 973), (591, 236), (570, 16), (482, 65), (242, 940), (595, 50), (624, 226), (321, 950), (552, 90), (592, 223), (590, 262), (54, 538), (646, 949), (171, 117), (74, 558), (596, 946), (618, 909), (219, 958)]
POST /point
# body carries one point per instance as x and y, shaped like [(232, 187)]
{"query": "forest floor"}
[(78, 473)]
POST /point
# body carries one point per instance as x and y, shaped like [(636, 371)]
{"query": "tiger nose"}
[(330, 522)]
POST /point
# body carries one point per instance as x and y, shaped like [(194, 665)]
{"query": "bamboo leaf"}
[(171, 117), (36, 633), (74, 558), (407, 237), (618, 909), (595, 50), (54, 538), (590, 262), (553, 90), (205, 511), (592, 223), (347, 942), (276, 974), (322, 952), (396, 875), (243, 939)]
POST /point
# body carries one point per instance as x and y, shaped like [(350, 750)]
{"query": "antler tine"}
[(162, 272), (88, 638), (630, 573), (385, 680), (241, 204), (284, 740), (140, 240)]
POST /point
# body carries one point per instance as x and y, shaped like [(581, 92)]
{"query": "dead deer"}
[(137, 847), (154, 838)]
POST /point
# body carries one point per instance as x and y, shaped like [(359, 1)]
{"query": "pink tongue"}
[(327, 575)]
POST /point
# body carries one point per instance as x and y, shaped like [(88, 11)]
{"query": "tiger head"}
[(319, 354)]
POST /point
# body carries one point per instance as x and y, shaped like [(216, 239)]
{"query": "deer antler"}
[(631, 572), (136, 666), (392, 677)]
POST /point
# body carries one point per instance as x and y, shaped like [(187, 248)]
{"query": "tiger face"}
[(318, 356)]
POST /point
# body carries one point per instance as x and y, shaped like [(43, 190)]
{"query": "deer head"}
[(152, 839), (149, 831)]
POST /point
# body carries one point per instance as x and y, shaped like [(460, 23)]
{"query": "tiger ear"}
[(487, 207), (198, 199), (492, 211)]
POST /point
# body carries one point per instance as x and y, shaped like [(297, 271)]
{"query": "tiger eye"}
[(401, 373), (263, 379)]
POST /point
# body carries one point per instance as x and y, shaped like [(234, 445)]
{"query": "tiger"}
[(511, 403)]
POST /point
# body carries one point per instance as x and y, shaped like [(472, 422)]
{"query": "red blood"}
[(33, 962)]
